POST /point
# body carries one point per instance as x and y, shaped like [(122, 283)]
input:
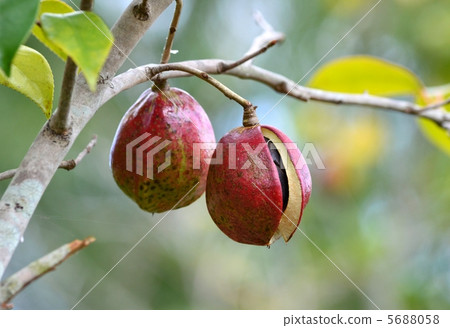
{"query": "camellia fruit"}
[(152, 156), (259, 190)]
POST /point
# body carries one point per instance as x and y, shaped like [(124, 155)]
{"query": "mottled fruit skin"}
[(174, 116), (245, 200)]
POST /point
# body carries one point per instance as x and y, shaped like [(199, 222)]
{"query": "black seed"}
[(281, 168)]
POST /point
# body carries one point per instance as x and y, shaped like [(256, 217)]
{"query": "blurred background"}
[(379, 211)]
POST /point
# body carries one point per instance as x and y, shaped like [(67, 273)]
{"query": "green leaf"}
[(55, 7), (434, 133), (16, 20), (84, 37), (32, 76), (359, 74)]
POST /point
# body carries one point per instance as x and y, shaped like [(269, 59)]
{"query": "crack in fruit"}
[(277, 160)]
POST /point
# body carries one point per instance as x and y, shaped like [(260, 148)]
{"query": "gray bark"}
[(49, 149)]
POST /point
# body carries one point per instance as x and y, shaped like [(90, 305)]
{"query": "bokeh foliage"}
[(379, 210)]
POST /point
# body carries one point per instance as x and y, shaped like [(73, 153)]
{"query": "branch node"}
[(70, 165), (281, 87), (148, 72), (102, 79), (141, 11), (222, 67)]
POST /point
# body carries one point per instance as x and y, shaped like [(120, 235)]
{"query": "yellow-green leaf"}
[(435, 134), (16, 20), (84, 37), (359, 74), (55, 7), (32, 76)]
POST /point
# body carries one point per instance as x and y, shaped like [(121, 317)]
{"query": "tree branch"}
[(67, 165), (14, 284), (276, 81), (49, 149), (283, 85)]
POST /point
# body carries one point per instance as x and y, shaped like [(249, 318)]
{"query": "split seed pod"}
[(259, 190)]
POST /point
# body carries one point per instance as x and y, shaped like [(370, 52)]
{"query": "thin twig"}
[(14, 284), (60, 122), (173, 28), (261, 21), (162, 84), (8, 174), (71, 164), (249, 56), (268, 35), (153, 71), (437, 105), (67, 165)]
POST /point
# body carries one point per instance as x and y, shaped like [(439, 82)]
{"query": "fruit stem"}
[(205, 77), (250, 118)]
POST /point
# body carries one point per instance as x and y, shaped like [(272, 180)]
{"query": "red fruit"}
[(161, 129), (259, 191)]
